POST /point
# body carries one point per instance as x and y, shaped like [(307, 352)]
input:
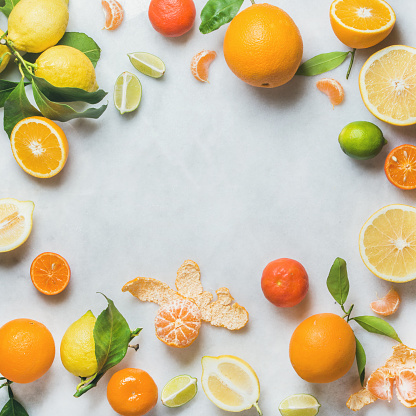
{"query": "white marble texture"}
[(222, 173)]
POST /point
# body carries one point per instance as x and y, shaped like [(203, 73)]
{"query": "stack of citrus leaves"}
[(51, 101)]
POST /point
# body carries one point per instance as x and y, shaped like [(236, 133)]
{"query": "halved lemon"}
[(15, 223), (388, 85), (230, 383), (387, 243)]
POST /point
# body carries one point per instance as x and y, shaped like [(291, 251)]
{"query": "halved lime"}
[(299, 405), (179, 390), (147, 64), (127, 92)]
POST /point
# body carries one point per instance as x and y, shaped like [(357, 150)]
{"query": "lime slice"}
[(299, 405), (147, 64), (127, 92), (179, 390)]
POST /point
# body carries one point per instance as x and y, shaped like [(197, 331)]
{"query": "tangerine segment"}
[(387, 243), (333, 89), (388, 85), (400, 166), (200, 64), (361, 24), (177, 323), (406, 384), (380, 384), (39, 146), (387, 305), (50, 273), (113, 12)]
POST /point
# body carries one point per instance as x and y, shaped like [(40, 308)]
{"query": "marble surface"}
[(222, 173)]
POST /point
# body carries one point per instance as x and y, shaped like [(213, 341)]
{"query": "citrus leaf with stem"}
[(6, 6), (62, 112), (13, 407), (84, 43), (361, 359), (17, 107), (6, 88), (217, 13), (377, 326), (337, 281), (321, 63)]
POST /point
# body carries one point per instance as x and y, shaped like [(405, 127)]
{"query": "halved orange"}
[(388, 85), (333, 89), (200, 64), (39, 146), (386, 305), (400, 166), (50, 273), (113, 12), (361, 23), (387, 243)]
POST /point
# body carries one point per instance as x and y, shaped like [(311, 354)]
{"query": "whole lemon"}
[(263, 46), (4, 50), (78, 347), (35, 25), (322, 348), (65, 66)]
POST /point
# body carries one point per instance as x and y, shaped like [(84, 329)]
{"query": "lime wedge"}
[(127, 92), (147, 64), (299, 405), (179, 390)]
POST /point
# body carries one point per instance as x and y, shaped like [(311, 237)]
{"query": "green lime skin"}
[(361, 140)]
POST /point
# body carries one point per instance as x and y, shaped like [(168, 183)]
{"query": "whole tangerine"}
[(172, 18), (322, 348), (263, 46), (284, 282), (132, 392), (27, 350)]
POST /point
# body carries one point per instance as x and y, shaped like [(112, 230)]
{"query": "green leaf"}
[(322, 63), (84, 43), (6, 87), (13, 408), (62, 112), (17, 107), (111, 336), (377, 326), (361, 360), (337, 281), (68, 94), (6, 6), (217, 13)]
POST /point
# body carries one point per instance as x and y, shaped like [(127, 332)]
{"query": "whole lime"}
[(361, 140)]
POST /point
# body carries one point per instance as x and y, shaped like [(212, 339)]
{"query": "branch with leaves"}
[(338, 285)]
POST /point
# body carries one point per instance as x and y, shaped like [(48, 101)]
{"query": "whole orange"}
[(172, 18), (27, 350), (263, 46), (284, 282), (132, 392), (322, 348)]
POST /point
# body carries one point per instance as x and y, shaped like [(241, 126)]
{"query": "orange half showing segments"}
[(50, 273), (39, 146), (400, 166)]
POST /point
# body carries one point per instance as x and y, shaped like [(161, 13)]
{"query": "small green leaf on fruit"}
[(322, 63), (83, 43), (377, 326), (217, 13), (361, 359), (337, 281)]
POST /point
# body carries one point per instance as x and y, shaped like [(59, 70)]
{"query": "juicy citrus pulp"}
[(50, 273), (78, 347), (15, 223), (361, 140), (333, 89), (388, 87), (230, 383), (39, 146), (113, 12), (147, 64), (179, 390), (127, 92), (400, 166), (387, 243), (299, 405), (380, 384), (200, 64), (363, 23)]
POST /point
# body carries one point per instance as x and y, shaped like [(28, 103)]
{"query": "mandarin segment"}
[(200, 64), (333, 89), (386, 305), (380, 384), (114, 14)]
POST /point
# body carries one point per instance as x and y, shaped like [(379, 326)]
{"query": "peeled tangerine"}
[(399, 371)]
